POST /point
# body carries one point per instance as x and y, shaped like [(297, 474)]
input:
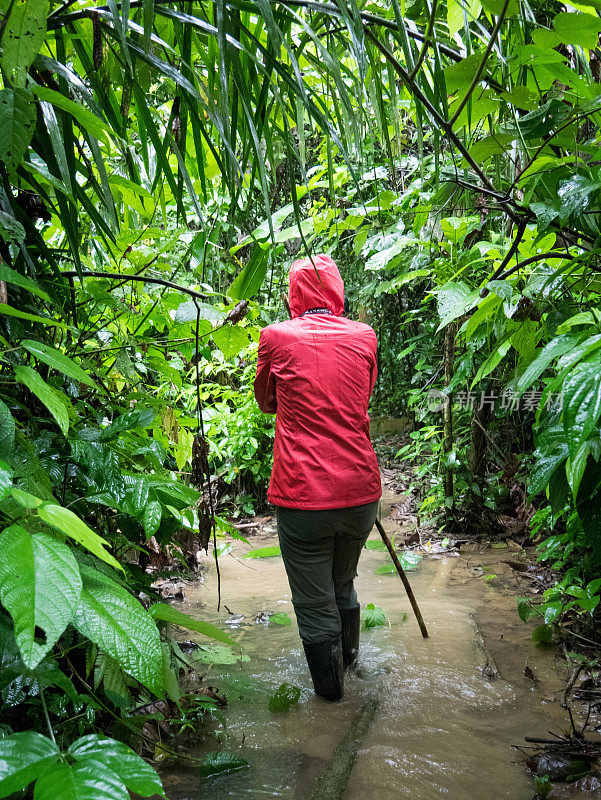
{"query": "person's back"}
[(317, 372)]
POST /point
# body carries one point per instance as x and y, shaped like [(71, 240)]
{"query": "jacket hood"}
[(315, 283)]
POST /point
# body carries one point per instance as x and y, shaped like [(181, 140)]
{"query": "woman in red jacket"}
[(316, 372)]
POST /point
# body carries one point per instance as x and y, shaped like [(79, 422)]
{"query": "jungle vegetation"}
[(161, 163)]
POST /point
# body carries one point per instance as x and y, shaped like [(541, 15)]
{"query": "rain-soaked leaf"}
[(284, 698), (263, 552), (374, 617), (542, 634), (409, 560), (219, 762), (280, 618), (525, 609), (375, 544)]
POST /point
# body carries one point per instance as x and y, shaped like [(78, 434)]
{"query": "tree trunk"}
[(449, 359)]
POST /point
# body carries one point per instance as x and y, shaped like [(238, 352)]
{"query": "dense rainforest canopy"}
[(161, 164)]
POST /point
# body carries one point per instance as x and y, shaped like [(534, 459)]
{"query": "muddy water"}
[(443, 727)]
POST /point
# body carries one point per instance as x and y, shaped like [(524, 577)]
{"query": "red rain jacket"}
[(317, 372)]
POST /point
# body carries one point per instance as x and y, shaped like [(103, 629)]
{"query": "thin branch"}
[(540, 257), (142, 278), (438, 118), (538, 151), (532, 260), (480, 70), (512, 250), (426, 43)]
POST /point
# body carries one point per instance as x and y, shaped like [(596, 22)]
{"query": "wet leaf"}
[(375, 544), (542, 634), (40, 587), (58, 361), (117, 622), (166, 613), (284, 698), (217, 763), (136, 774), (230, 339), (580, 29), (409, 560), (248, 282), (263, 552), (23, 757), (280, 618), (374, 616), (525, 609)]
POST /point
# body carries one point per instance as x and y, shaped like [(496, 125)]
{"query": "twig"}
[(480, 69), (142, 278)]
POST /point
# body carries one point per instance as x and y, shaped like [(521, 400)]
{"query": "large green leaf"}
[(45, 394), (23, 37), (582, 402), (57, 360), (9, 275), (63, 519), (580, 29), (136, 774), (557, 347), (151, 519), (90, 780), (7, 430), (88, 121), (454, 300), (40, 586), (23, 757), (17, 123), (230, 339), (167, 613), (11, 311), (11, 229), (544, 467), (118, 623), (6, 480), (248, 282), (138, 418)]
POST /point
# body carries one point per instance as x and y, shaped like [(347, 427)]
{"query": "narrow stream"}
[(443, 728)]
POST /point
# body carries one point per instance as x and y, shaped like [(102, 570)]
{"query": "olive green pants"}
[(321, 550)]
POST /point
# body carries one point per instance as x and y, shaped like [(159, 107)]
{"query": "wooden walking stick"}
[(403, 577)]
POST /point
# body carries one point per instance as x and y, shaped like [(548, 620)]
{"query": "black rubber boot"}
[(325, 665), (351, 624)]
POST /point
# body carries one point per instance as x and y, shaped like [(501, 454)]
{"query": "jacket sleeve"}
[(265, 379)]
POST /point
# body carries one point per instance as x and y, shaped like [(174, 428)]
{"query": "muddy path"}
[(451, 706)]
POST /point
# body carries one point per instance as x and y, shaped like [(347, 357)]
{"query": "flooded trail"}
[(443, 727)]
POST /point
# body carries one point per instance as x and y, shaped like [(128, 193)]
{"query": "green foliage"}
[(40, 587), (115, 621), (284, 698), (166, 613), (373, 617), (280, 618), (93, 768), (263, 552), (17, 123), (220, 762), (409, 561)]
